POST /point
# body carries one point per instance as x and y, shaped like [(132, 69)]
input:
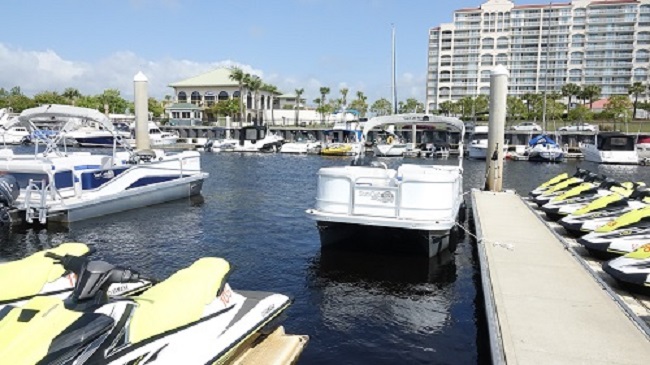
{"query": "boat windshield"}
[(478, 136)]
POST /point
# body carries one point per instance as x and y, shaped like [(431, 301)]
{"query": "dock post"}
[(140, 84), (415, 133), (494, 156)]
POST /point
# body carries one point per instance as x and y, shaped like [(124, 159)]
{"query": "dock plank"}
[(548, 307)]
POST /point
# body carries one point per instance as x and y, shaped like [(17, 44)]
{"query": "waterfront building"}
[(545, 46), (204, 90)]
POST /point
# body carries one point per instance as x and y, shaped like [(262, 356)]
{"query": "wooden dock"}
[(543, 306)]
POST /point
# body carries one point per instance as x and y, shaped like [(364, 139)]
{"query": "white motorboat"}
[(157, 137), (391, 146), (86, 133), (478, 145), (65, 186), (611, 148), (251, 139), (304, 143), (13, 135), (543, 149), (413, 208)]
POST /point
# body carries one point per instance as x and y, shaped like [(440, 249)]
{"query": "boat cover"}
[(541, 139)]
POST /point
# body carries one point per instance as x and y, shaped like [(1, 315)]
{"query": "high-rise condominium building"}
[(606, 43)]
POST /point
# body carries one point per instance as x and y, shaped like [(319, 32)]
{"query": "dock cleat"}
[(632, 270)]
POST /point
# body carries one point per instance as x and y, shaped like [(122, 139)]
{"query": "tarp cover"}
[(541, 139)]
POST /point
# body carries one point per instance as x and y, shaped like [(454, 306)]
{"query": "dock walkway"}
[(542, 305)]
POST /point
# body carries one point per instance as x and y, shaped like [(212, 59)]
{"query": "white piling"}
[(415, 134), (494, 156), (141, 86)]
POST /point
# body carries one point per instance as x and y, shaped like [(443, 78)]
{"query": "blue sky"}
[(93, 45)]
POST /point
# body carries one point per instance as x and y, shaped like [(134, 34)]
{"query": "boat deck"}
[(543, 303)]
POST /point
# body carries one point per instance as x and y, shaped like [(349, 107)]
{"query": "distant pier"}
[(543, 305)]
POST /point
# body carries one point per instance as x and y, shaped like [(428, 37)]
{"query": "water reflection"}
[(400, 293)]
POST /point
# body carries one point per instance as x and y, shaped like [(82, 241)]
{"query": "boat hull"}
[(131, 199), (359, 237)]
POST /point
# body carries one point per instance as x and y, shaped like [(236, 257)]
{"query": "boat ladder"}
[(32, 209)]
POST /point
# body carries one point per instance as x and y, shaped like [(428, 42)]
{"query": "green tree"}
[(115, 102), (618, 106), (382, 107), (581, 114), (15, 91), (446, 107), (226, 108), (299, 93), (530, 99), (591, 93), (344, 95), (324, 91), (237, 74), (50, 97), (636, 89), (254, 84), (156, 108), (411, 105), (72, 94), (516, 108), (360, 104), (570, 90), (20, 102)]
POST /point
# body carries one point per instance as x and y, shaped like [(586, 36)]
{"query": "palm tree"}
[(636, 89), (570, 90), (299, 93), (362, 102), (591, 93), (254, 84), (344, 94), (323, 93), (273, 90), (71, 94), (237, 74)]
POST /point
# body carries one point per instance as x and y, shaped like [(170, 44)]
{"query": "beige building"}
[(545, 46), (206, 89)]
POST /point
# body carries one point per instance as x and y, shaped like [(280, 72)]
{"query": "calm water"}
[(357, 308)]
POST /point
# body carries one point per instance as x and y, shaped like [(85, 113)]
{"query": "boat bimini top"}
[(439, 123), (71, 115)]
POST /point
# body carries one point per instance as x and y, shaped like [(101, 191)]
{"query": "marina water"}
[(357, 308)]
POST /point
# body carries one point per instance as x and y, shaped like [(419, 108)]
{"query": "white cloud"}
[(36, 71)]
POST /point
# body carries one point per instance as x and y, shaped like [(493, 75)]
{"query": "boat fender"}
[(454, 238), (462, 214), (389, 140)]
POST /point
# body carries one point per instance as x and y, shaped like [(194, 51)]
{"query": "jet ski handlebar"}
[(94, 277)]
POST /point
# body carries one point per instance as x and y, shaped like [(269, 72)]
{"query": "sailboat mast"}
[(548, 41), (394, 89)]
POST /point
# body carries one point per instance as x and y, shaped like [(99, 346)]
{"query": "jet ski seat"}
[(26, 332), (26, 277), (179, 300)]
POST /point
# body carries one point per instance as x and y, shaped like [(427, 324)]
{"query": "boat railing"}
[(39, 209), (381, 196)]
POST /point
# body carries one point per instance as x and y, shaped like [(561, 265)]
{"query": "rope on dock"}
[(507, 246)]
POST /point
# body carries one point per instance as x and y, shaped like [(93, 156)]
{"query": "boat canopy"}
[(54, 112), (438, 122), (541, 139)]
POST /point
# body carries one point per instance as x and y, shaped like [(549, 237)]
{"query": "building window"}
[(185, 115), (175, 115), (182, 97)]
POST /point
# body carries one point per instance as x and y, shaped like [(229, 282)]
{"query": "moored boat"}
[(414, 208)]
